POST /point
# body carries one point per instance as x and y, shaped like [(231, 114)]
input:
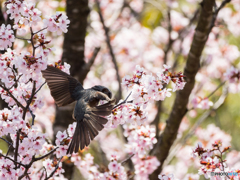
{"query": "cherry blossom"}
[(57, 23), (6, 36)]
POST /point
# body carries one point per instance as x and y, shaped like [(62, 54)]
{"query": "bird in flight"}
[(89, 115)]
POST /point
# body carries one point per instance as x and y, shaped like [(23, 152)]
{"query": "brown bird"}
[(65, 89)]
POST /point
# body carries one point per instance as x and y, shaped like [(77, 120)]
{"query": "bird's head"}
[(103, 90)]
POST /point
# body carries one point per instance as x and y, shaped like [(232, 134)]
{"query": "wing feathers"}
[(104, 109), (100, 119), (95, 123), (62, 85), (92, 131), (101, 113)]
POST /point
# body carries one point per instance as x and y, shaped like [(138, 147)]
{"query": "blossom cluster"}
[(140, 139), (212, 133), (50, 165), (201, 103), (32, 144), (128, 113), (57, 23), (152, 84), (145, 166), (166, 176), (21, 80), (145, 88), (212, 161), (232, 75), (63, 139), (114, 170), (11, 121), (7, 170), (6, 36), (21, 74), (25, 14)]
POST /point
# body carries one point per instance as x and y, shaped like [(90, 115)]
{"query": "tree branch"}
[(182, 33), (29, 100), (126, 160), (40, 88), (6, 141), (50, 152), (110, 50), (1, 155), (123, 102), (16, 148), (86, 67), (23, 117), (179, 109), (191, 132), (54, 169), (12, 96), (39, 30), (23, 38)]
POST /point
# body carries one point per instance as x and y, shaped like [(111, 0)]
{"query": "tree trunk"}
[(179, 109), (73, 53)]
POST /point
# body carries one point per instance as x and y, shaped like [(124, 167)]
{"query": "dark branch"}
[(24, 115), (126, 160), (86, 67), (29, 100), (54, 170), (40, 87), (15, 162), (217, 11), (23, 38), (50, 152), (179, 109), (219, 86), (199, 121), (33, 115), (17, 145), (182, 33), (32, 161), (110, 50), (6, 141), (170, 41), (25, 173), (123, 102), (11, 95), (39, 31)]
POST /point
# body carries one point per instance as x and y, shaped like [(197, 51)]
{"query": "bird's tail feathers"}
[(87, 129), (74, 145), (85, 132)]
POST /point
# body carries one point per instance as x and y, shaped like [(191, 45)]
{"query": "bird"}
[(89, 115)]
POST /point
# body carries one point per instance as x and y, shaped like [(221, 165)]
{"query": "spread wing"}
[(63, 87), (89, 120)]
